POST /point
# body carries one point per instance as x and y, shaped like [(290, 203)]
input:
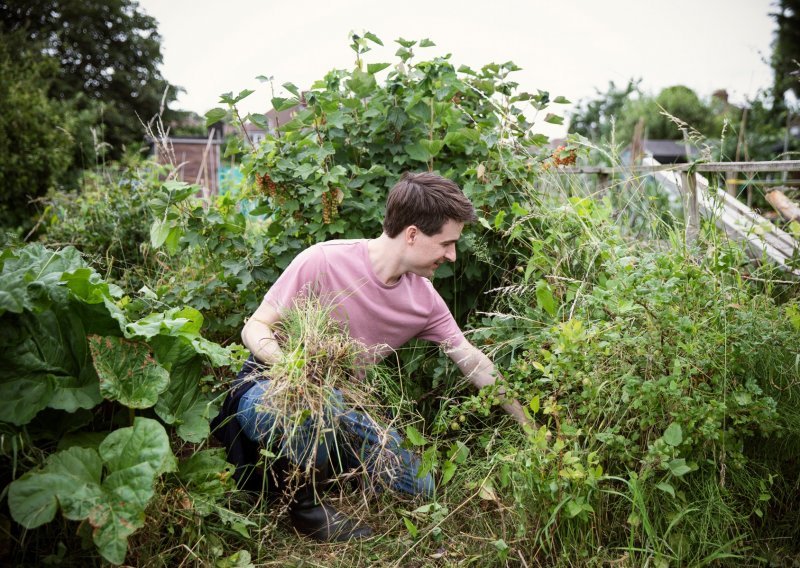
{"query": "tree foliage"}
[(622, 109), (35, 132), (107, 55), (757, 134), (786, 50), (596, 118)]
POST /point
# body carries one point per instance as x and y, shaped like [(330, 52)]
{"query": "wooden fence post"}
[(690, 208)]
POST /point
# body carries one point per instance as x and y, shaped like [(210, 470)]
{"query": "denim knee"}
[(302, 443)]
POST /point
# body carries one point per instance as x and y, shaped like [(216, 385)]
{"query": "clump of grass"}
[(317, 359)]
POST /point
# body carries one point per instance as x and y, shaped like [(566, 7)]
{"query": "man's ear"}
[(411, 233)]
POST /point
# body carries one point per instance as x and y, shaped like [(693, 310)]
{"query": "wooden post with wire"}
[(691, 210)]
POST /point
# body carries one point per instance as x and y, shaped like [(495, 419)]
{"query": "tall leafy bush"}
[(325, 174)]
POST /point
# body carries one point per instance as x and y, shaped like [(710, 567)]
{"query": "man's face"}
[(430, 252)]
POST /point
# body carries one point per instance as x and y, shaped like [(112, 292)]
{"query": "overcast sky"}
[(567, 47)]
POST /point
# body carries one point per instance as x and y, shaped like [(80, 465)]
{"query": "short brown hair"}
[(426, 200)]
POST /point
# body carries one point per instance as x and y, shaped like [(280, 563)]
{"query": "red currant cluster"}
[(563, 157), (330, 205), (267, 185)]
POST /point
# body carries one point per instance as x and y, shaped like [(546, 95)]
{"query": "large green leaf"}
[(159, 231), (79, 471), (179, 322), (215, 115), (673, 435), (184, 403), (373, 68), (417, 152), (144, 442), (134, 457), (71, 478), (415, 437), (33, 499), (31, 276), (121, 513), (87, 285), (128, 373), (206, 472), (22, 398), (545, 298), (46, 365), (362, 83)]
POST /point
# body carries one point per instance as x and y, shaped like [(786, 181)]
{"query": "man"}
[(383, 293)]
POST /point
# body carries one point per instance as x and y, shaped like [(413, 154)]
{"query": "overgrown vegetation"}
[(665, 375), (87, 391)]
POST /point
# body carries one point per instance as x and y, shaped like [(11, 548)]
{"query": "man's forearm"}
[(481, 372)]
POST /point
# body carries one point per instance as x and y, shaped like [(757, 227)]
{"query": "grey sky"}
[(568, 47)]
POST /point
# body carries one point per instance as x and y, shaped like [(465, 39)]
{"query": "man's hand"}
[(481, 372), (514, 408)]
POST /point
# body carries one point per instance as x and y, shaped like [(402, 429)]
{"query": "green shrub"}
[(108, 220), (325, 174)]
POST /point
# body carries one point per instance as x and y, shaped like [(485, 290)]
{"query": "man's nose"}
[(450, 254)]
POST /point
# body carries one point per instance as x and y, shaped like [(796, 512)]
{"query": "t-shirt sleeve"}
[(442, 327), (301, 277)]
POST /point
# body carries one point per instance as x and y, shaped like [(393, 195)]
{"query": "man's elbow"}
[(244, 337), (247, 335)]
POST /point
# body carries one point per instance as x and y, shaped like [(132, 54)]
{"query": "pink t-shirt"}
[(380, 316)]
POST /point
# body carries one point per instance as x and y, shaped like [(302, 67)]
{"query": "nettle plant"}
[(89, 397), (326, 173)]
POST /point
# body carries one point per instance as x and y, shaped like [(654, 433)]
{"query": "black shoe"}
[(315, 519), (324, 523)]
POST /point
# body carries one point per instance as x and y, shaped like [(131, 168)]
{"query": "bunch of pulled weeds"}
[(320, 411)]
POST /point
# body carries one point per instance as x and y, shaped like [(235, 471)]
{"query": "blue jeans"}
[(345, 436)]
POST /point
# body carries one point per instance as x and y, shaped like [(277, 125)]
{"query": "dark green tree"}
[(786, 51), (35, 132), (108, 54)]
